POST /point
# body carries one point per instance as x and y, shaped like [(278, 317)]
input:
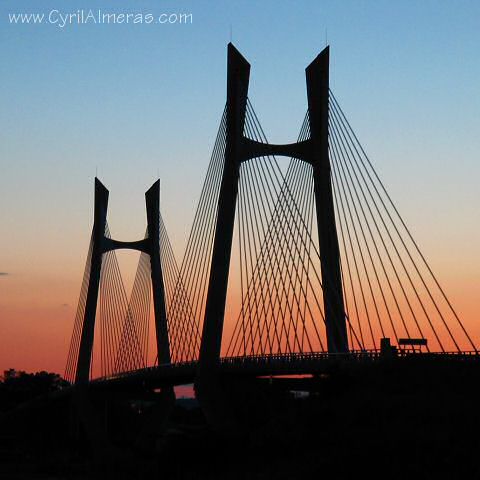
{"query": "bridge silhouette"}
[(321, 267)]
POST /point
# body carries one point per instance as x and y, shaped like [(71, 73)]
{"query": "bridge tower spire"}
[(102, 244)]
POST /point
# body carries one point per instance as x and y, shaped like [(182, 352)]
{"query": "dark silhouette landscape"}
[(415, 418)]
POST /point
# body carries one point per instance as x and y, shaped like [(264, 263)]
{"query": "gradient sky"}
[(137, 101)]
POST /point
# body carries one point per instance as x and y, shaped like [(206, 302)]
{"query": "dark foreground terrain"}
[(395, 419)]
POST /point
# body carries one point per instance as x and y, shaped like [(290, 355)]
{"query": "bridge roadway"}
[(182, 373)]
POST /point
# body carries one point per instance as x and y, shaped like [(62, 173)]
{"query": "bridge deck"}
[(269, 365)]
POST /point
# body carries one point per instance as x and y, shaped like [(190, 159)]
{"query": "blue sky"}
[(136, 101)]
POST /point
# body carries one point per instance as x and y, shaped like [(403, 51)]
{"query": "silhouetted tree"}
[(18, 386)]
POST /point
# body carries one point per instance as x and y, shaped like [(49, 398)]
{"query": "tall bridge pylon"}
[(102, 244), (238, 149)]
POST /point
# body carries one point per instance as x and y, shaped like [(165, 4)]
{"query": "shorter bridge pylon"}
[(101, 243)]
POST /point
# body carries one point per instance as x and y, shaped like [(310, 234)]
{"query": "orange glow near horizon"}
[(37, 328)]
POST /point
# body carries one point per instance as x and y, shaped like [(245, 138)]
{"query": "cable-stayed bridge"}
[(288, 269)]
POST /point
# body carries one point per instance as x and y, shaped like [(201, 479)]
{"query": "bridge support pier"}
[(104, 453), (155, 423)]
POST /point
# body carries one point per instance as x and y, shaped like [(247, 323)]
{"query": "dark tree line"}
[(17, 387)]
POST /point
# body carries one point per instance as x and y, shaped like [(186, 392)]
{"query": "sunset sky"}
[(134, 102)]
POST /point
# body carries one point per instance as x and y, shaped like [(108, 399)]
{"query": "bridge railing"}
[(290, 360)]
